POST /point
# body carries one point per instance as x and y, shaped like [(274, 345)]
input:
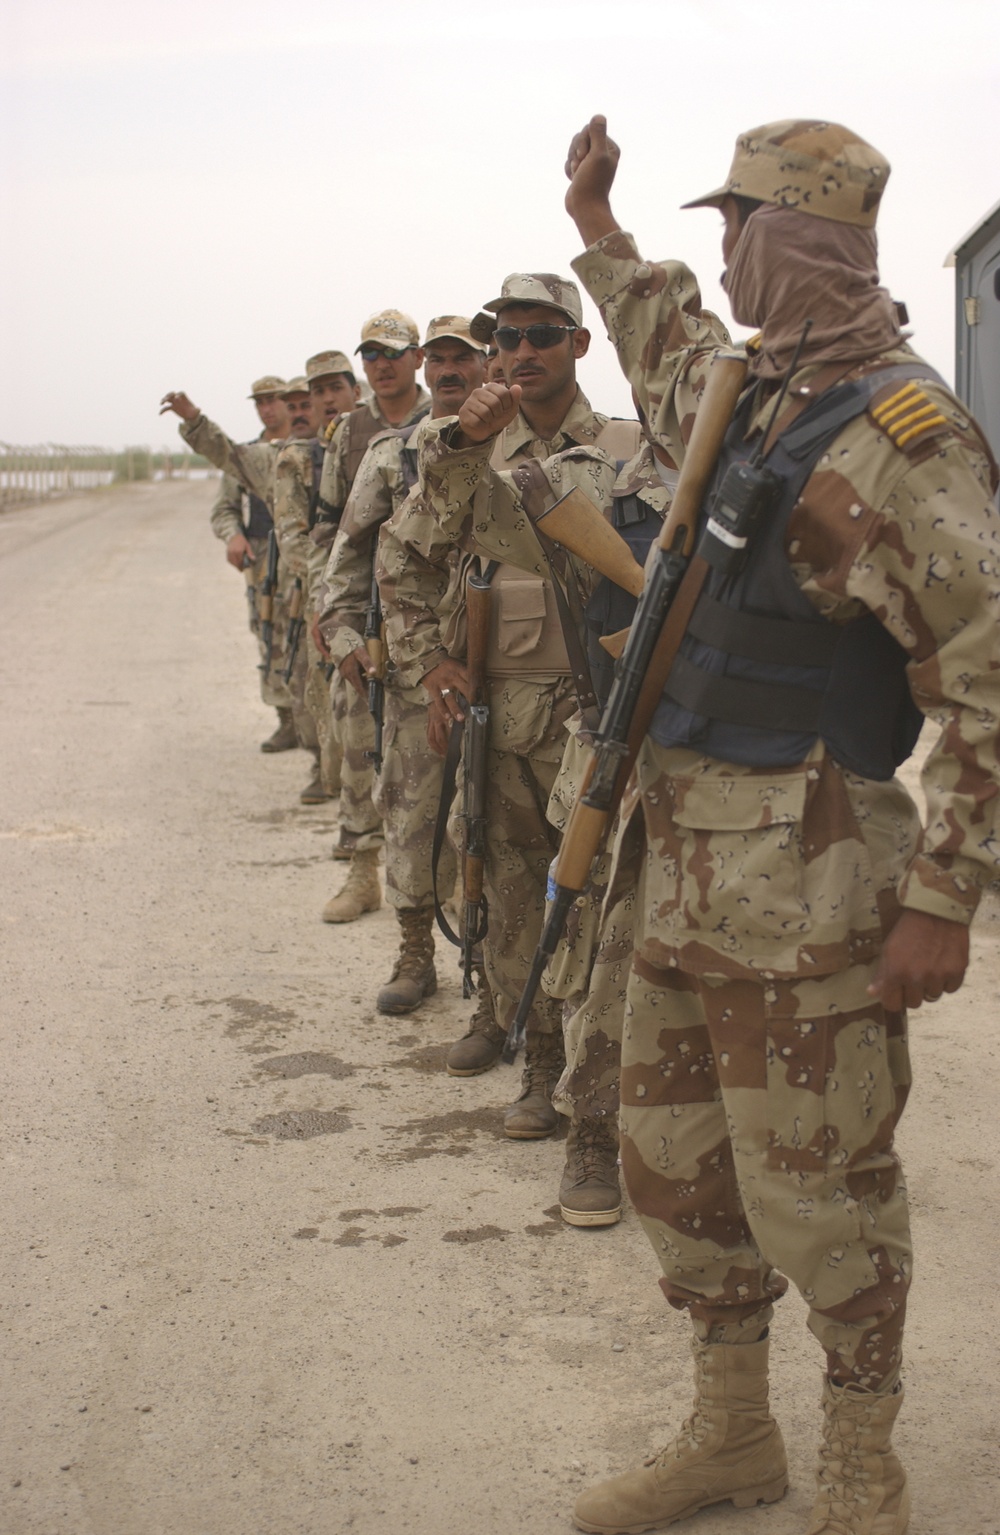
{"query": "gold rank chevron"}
[(907, 414)]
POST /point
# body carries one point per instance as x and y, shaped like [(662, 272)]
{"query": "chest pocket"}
[(525, 637)]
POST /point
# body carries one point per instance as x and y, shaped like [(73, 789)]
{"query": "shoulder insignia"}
[(908, 418)]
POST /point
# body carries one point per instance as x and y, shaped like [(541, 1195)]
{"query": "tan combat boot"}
[(413, 975), (729, 1449), (284, 738), (315, 791), (481, 1044), (861, 1485), (532, 1117), (360, 892), (589, 1194)]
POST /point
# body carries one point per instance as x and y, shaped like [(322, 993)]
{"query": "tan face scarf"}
[(789, 267)]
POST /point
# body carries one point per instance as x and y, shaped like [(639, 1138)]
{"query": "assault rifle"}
[(673, 580), (374, 637), (475, 759), (296, 624), (265, 602), (248, 564)]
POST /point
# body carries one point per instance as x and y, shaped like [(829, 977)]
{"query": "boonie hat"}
[(811, 166), (325, 364), (298, 385), (389, 327), (269, 384), (543, 288), (453, 327)]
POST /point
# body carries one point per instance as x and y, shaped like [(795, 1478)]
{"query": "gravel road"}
[(267, 1269)]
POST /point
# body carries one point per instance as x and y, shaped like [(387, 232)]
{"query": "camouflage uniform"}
[(467, 506), (408, 789), (360, 822), (227, 519), (761, 1085), (296, 491), (249, 467)]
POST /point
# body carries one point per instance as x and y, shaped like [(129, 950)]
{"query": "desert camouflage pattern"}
[(869, 531), (354, 732), (759, 1120), (336, 482), (406, 795), (317, 703), (463, 507), (539, 288), (760, 1084), (226, 518), (251, 463), (326, 364), (269, 384), (453, 327), (815, 167), (389, 327), (274, 690)]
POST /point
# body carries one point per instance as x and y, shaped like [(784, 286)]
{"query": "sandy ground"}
[(267, 1269)]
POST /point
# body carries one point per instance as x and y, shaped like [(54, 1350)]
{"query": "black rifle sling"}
[(569, 608), (448, 781)]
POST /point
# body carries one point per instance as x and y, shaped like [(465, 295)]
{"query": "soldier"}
[(790, 906), (243, 522), (391, 354), (333, 391), (540, 333), (408, 787)]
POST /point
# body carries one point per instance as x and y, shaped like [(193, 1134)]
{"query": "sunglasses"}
[(508, 337), (390, 353)]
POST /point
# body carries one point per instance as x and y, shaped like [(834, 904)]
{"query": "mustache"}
[(451, 381)]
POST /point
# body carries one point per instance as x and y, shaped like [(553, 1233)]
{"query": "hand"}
[(239, 552), (178, 402), (356, 669), (319, 638), (443, 684), (923, 957), (591, 166), (488, 410)]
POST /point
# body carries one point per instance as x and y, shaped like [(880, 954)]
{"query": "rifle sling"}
[(569, 608)]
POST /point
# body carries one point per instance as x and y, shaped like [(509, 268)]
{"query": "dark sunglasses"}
[(508, 337), (390, 353)]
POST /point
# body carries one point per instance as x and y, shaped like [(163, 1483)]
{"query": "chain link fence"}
[(52, 469)]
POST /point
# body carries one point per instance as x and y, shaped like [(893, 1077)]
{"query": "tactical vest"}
[(362, 426), (526, 637), (611, 608), (760, 674)]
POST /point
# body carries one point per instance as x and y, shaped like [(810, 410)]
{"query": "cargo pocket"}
[(519, 607), (740, 863)]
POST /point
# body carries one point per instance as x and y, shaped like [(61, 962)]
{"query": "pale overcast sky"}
[(199, 192)]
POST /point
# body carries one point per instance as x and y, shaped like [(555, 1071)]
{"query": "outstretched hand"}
[(591, 165), (177, 401), (488, 410), (923, 957)]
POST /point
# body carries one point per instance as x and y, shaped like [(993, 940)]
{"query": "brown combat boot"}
[(413, 975), (481, 1044), (589, 1194), (284, 738), (360, 891), (861, 1485), (729, 1449), (532, 1117)]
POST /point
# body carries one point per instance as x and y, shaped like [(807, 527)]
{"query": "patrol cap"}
[(453, 327), (543, 288), (269, 384), (482, 326), (325, 364), (812, 166), (389, 327), (298, 385)]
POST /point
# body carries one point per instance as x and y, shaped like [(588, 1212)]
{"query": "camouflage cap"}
[(482, 326), (812, 166), (269, 384), (540, 288), (324, 364), (298, 385), (389, 327), (453, 327)]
